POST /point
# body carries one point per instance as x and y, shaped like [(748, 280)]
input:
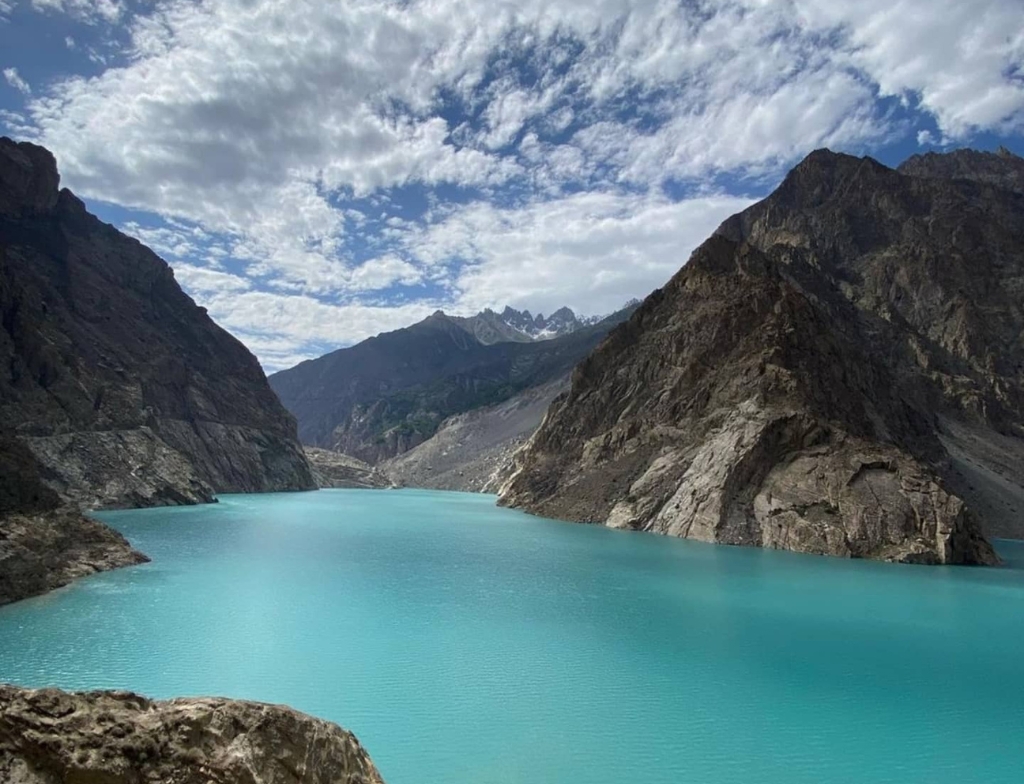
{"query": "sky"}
[(318, 172)]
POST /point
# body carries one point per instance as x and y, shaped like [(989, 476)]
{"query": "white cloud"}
[(955, 58), (591, 251), (206, 284), (15, 81), (90, 11), (278, 327), (383, 272), (280, 134)]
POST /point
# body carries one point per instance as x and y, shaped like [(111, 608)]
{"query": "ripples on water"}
[(466, 644)]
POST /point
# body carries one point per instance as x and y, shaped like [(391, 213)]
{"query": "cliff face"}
[(803, 382), (121, 738), (127, 393)]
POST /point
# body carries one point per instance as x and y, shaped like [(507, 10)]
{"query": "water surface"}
[(466, 644)]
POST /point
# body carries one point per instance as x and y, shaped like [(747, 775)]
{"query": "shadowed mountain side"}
[(125, 390)]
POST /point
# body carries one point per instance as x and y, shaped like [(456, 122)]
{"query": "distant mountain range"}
[(520, 326), (388, 394)]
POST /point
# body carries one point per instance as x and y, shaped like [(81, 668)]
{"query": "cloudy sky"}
[(317, 172)]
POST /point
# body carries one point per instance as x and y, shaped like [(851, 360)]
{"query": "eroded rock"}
[(49, 736)]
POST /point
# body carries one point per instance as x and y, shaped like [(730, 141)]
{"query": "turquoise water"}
[(466, 644)]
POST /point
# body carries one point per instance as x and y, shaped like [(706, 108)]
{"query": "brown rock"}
[(47, 550), (49, 736)]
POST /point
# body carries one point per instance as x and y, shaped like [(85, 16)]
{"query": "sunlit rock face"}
[(832, 372)]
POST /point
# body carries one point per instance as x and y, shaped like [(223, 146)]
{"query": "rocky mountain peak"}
[(29, 181)]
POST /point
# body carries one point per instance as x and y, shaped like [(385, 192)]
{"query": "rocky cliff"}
[(50, 736), (386, 395), (817, 377), (127, 393)]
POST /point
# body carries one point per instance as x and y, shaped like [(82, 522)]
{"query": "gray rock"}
[(473, 452), (118, 468), (49, 736)]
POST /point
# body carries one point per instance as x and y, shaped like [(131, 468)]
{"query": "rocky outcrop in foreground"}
[(124, 389), (49, 736), (817, 377)]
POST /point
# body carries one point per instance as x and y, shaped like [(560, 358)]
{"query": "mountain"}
[(125, 390), (519, 326), (473, 451), (839, 370), (116, 390), (386, 395)]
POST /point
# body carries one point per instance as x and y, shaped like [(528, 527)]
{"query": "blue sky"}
[(319, 172)]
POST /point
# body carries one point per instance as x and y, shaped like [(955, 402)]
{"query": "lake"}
[(467, 644)]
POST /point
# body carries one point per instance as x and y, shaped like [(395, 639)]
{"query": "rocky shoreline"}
[(44, 551)]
